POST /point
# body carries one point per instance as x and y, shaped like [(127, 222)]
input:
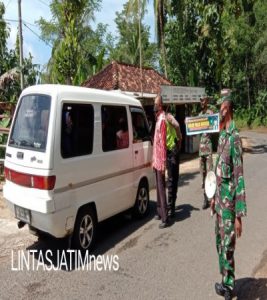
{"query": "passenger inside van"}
[(122, 135), (140, 131)]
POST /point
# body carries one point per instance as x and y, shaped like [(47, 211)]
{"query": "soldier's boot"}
[(206, 202)]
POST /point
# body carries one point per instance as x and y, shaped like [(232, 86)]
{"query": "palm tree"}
[(160, 10), (138, 7)]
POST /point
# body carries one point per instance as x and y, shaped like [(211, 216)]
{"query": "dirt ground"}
[(4, 212)]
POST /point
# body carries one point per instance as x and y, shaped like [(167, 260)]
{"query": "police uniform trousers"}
[(173, 162)]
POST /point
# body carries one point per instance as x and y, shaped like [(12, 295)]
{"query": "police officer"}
[(229, 202), (205, 149), (173, 144)]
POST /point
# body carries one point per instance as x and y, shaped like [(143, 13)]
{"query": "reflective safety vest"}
[(171, 136)]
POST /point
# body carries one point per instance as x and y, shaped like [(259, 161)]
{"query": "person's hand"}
[(238, 227), (212, 206)]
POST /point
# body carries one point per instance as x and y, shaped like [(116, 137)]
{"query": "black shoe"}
[(172, 215), (223, 290), (157, 217), (163, 225)]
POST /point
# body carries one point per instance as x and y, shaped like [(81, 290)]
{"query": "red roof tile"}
[(126, 77)]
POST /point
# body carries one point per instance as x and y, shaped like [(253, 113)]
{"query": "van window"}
[(115, 134), (31, 123), (140, 125), (77, 130)]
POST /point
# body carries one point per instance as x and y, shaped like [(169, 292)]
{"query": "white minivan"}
[(75, 157)]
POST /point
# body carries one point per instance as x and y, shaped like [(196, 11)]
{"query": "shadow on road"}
[(186, 179), (184, 211), (109, 233), (251, 289), (259, 149), (116, 229)]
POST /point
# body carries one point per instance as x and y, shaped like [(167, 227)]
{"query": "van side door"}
[(116, 160), (142, 143)]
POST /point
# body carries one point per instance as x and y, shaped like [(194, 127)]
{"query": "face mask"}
[(156, 109), (222, 118)]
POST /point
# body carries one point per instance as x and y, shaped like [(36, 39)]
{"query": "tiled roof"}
[(126, 77)]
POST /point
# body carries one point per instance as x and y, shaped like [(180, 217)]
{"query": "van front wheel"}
[(141, 206), (85, 230)]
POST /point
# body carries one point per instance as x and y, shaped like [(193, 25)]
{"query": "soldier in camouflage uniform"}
[(205, 149), (229, 202)]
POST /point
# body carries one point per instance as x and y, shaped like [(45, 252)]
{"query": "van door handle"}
[(136, 152)]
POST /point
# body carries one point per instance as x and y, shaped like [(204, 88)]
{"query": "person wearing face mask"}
[(205, 149), (159, 161), (229, 202)]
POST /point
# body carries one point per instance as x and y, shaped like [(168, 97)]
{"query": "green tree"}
[(69, 31), (160, 12), (4, 33), (127, 49), (9, 65), (181, 40)]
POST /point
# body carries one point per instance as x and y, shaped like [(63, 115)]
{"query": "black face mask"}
[(222, 116), (156, 109)]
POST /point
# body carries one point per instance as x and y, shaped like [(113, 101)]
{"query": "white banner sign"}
[(202, 124), (181, 94)]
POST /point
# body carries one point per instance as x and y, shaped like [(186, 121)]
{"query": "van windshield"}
[(31, 123)]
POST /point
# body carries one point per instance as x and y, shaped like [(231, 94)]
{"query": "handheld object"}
[(210, 184)]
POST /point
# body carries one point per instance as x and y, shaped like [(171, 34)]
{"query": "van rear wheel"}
[(141, 206), (85, 230)]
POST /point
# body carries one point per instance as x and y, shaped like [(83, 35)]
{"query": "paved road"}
[(179, 262)]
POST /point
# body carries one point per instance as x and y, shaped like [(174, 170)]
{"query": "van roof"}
[(69, 92)]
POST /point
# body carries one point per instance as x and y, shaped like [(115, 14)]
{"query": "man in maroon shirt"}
[(159, 161)]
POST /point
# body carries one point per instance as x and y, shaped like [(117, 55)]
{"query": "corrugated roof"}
[(126, 77)]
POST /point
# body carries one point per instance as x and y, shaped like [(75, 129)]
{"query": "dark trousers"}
[(161, 195), (173, 162)]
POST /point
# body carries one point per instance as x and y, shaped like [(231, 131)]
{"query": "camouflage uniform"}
[(229, 199), (205, 152)]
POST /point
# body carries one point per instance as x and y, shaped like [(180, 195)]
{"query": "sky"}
[(32, 10)]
